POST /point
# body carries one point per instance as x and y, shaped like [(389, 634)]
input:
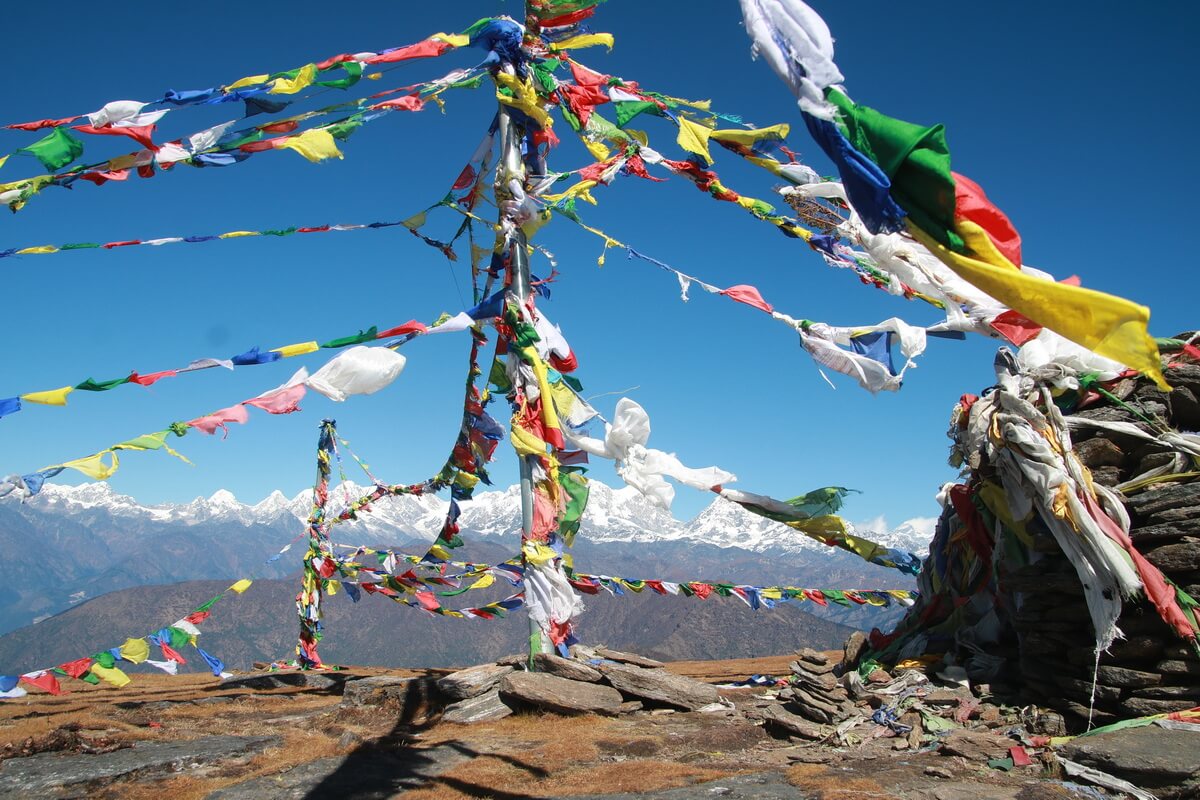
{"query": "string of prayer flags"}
[(897, 176), (102, 665)]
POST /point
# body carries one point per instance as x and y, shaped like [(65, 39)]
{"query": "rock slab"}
[(473, 681), (278, 680), (660, 686), (1148, 757), (411, 694), (45, 774), (483, 708), (559, 694), (757, 786), (566, 668)]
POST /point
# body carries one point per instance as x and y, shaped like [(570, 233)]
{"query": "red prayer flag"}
[(43, 680), (972, 204), (412, 326), (139, 133), (701, 590), (171, 654), (410, 102), (1016, 327), (747, 294), (428, 601), (287, 126), (38, 125), (152, 378), (77, 668), (429, 48)]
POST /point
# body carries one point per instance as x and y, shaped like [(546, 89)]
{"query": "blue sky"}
[(1068, 114)]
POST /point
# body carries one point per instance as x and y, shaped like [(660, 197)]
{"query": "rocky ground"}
[(602, 725)]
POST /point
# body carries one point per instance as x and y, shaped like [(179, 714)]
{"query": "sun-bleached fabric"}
[(208, 363), (169, 667), (359, 370), (798, 46), (459, 322), (641, 467), (115, 112), (208, 138)]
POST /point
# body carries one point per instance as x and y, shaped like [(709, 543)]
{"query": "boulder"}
[(777, 718), (566, 668), (1149, 757), (659, 686), (976, 746), (415, 695), (1099, 452), (854, 648), (559, 694), (481, 708), (1127, 678), (628, 658), (472, 681), (1181, 557)]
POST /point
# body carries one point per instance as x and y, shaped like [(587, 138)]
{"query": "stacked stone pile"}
[(1151, 671)]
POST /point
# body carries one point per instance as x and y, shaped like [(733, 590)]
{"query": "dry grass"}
[(831, 785)]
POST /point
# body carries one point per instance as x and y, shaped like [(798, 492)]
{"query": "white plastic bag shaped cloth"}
[(359, 370), (797, 44), (821, 341), (639, 466), (549, 597)]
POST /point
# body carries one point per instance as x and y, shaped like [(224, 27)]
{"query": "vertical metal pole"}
[(512, 168)]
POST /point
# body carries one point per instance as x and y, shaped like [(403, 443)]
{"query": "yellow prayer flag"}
[(440, 552), (524, 98), (415, 221), (238, 234), (50, 397), (485, 580), (456, 39), (135, 650), (693, 137), (598, 150), (36, 251), (110, 674), (751, 137), (93, 466), (582, 41), (287, 351), (525, 443), (315, 145), (240, 586), (303, 79), (2, 160), (249, 80), (1107, 325)]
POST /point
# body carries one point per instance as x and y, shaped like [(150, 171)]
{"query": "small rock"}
[(938, 772), (348, 739), (813, 657), (559, 694), (853, 649), (1099, 452), (566, 668), (662, 712), (472, 681), (481, 708), (879, 677), (630, 706), (1179, 667)]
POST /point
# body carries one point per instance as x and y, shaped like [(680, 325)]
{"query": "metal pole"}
[(510, 177)]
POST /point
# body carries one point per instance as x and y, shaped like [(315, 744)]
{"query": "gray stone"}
[(779, 718), (278, 680), (812, 658), (566, 668), (660, 686), (559, 694), (824, 682), (854, 648), (1144, 707), (45, 773), (472, 681), (1169, 693), (1127, 678), (808, 699), (481, 708), (1179, 667), (376, 777), (756, 786), (1148, 757), (628, 658), (1135, 648), (1099, 452), (630, 707), (415, 695), (1163, 497), (976, 746), (1172, 558)]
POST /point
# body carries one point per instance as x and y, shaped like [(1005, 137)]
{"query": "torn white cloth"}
[(641, 467), (116, 111), (359, 370), (797, 44), (549, 597), (169, 667)]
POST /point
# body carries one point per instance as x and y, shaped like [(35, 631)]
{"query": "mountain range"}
[(84, 542)]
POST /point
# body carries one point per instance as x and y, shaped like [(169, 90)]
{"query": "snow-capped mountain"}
[(612, 515)]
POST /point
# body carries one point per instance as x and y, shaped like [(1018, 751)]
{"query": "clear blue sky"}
[(1069, 114)]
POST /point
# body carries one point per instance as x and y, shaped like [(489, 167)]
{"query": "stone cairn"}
[(1043, 650)]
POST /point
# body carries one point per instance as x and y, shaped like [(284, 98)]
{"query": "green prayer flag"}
[(55, 150), (179, 637), (916, 158), (575, 486), (102, 386), (342, 130), (354, 71), (369, 335), (628, 109), (80, 246), (104, 659)]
